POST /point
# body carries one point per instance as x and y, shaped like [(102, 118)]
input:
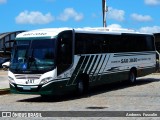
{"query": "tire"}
[(132, 77), (82, 87)]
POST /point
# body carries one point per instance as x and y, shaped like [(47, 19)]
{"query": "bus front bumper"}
[(54, 88)]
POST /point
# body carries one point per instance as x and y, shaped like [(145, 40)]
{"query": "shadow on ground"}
[(92, 91)]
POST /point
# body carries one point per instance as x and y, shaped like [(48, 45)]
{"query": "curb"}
[(4, 91)]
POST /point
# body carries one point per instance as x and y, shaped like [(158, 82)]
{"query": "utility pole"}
[(104, 10)]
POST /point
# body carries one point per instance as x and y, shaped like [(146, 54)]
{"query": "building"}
[(6, 42)]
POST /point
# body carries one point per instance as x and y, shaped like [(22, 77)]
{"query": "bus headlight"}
[(46, 80), (11, 80)]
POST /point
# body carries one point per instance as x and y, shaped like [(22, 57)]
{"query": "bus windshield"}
[(33, 55)]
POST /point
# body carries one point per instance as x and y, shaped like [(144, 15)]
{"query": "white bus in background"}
[(59, 60)]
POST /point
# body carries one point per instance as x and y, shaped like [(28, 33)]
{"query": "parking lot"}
[(143, 96)]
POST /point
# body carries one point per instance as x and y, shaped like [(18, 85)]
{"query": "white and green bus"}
[(60, 60)]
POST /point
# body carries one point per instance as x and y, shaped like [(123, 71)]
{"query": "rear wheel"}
[(132, 76)]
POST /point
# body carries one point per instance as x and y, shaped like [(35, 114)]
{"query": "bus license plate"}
[(26, 88)]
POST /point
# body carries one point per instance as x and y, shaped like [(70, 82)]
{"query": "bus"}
[(157, 44), (59, 60), (157, 41)]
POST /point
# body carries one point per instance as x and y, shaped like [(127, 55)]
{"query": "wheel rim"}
[(80, 86), (132, 77)]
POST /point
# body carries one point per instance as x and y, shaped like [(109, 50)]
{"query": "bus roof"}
[(51, 32)]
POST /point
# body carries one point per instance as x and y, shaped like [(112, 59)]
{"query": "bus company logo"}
[(34, 34), (6, 114)]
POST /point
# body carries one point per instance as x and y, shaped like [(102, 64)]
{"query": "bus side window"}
[(64, 52)]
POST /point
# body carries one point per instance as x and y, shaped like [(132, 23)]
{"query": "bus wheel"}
[(132, 76), (82, 87)]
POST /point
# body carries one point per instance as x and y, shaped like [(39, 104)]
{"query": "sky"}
[(140, 15)]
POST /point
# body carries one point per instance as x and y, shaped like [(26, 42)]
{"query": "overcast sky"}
[(140, 15)]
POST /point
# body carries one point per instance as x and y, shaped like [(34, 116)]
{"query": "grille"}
[(36, 76)]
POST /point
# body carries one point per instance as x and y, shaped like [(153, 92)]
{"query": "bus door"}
[(64, 51)]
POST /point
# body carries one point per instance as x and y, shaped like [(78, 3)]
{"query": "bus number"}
[(30, 81)]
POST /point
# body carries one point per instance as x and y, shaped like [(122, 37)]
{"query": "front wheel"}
[(82, 87), (132, 77)]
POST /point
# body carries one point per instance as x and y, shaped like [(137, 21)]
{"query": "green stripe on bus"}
[(89, 63), (93, 65), (96, 69), (98, 77), (81, 69), (76, 70)]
